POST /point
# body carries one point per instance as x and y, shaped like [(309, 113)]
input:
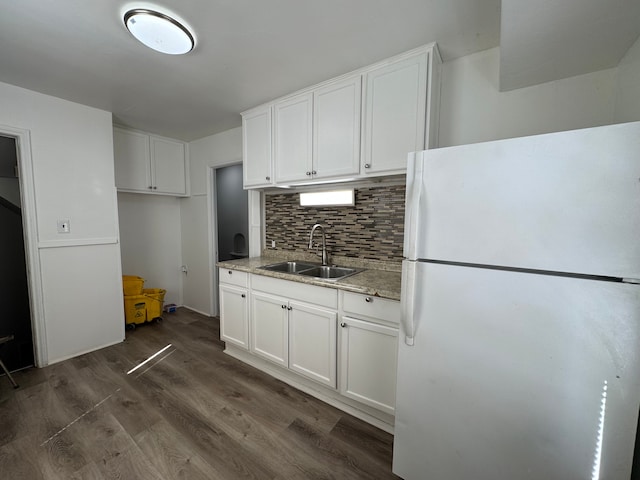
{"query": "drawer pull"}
[(368, 299), (230, 272)]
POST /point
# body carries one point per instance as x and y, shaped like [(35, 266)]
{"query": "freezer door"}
[(518, 376), (567, 202)]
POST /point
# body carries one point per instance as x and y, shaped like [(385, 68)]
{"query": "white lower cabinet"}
[(270, 328), (312, 342), (293, 330), (368, 363), (234, 308), (369, 349)]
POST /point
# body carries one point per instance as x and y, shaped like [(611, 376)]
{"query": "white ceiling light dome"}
[(158, 31)]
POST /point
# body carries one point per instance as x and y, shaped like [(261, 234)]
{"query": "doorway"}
[(232, 213), (229, 221), (14, 288)]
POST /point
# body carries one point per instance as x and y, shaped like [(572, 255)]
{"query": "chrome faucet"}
[(325, 255)]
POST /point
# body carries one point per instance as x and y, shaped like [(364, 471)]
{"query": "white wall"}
[(71, 172), (217, 150), (473, 110), (151, 242), (628, 88)]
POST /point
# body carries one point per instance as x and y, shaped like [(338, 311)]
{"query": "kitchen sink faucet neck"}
[(325, 255)]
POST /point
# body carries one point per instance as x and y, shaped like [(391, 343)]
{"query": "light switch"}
[(64, 226)]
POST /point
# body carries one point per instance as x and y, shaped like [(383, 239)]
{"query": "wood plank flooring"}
[(191, 413)]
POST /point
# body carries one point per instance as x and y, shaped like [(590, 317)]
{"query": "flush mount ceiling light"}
[(159, 31)]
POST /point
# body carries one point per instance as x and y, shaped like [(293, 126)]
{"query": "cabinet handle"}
[(284, 306), (313, 172), (243, 295), (268, 178), (343, 325), (155, 188), (150, 187), (368, 299), (367, 165), (308, 173), (289, 308), (230, 272)]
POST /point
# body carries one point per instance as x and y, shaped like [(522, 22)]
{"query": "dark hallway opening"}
[(15, 316)]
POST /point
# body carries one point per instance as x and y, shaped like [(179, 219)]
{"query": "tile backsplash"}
[(373, 229)]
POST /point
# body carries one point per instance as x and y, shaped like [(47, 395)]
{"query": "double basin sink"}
[(324, 272)]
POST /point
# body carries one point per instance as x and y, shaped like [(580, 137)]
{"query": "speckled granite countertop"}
[(379, 279)]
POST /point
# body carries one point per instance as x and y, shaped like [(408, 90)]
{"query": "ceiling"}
[(251, 51)]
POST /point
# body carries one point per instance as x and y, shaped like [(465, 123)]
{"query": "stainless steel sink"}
[(288, 267), (329, 273)]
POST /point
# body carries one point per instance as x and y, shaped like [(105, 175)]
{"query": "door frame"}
[(212, 205), (30, 232)]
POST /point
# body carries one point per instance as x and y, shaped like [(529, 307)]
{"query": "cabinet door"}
[(293, 120), (234, 316), (269, 328), (132, 160), (394, 114), (312, 343), (168, 166), (256, 147), (336, 129), (368, 363)]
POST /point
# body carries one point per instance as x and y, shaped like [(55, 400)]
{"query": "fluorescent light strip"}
[(147, 360), (328, 198)]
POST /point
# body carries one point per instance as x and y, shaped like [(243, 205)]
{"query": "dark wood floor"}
[(191, 413)]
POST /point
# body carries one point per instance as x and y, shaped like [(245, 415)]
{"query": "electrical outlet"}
[(64, 226), (273, 244)]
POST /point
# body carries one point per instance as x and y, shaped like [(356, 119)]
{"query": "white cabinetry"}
[(394, 115), (293, 119), (341, 129), (294, 325), (168, 166), (336, 129), (312, 342), (256, 147), (270, 328), (149, 164), (234, 308), (368, 350)]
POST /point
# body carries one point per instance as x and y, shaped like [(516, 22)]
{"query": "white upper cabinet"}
[(256, 147), (355, 126), (149, 164), (168, 168), (131, 151), (394, 114), (293, 120), (336, 129)]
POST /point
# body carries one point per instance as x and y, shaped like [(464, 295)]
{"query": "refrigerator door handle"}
[(407, 298), (413, 204)]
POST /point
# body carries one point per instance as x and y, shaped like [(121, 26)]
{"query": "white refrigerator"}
[(519, 352)]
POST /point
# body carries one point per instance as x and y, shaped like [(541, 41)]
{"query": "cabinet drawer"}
[(370, 306), (323, 296), (233, 277)]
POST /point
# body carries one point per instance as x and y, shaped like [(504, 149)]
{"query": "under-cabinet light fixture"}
[(334, 198), (159, 32)]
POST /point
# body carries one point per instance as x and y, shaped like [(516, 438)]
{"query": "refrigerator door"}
[(518, 376), (567, 202)]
